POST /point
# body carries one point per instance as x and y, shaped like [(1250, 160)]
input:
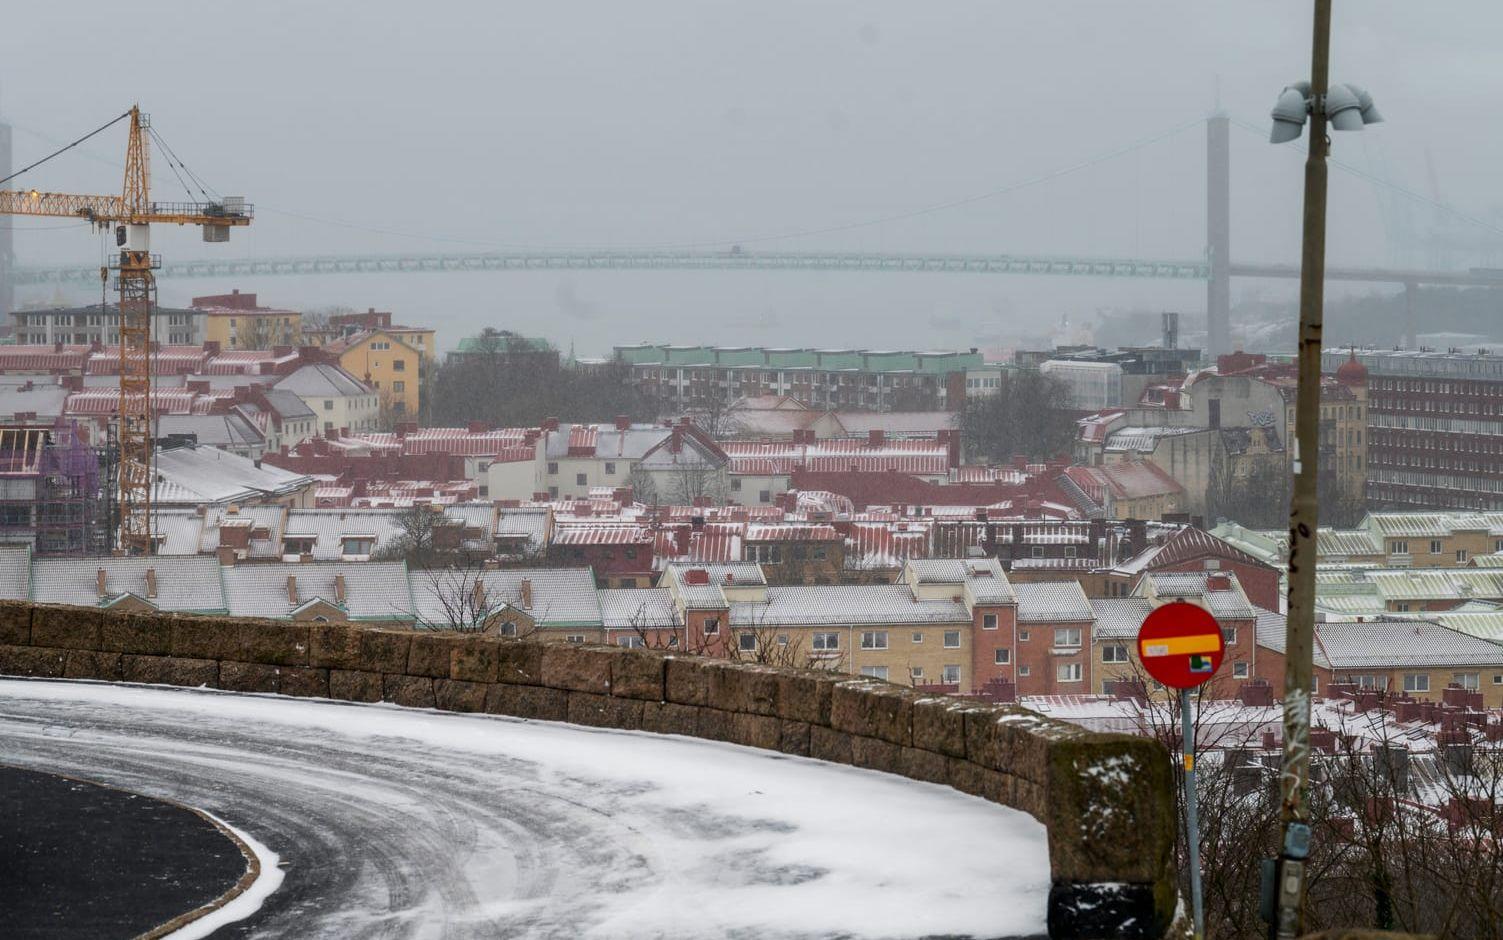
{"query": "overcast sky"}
[(468, 126)]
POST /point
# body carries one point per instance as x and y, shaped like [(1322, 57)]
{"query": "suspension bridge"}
[(1216, 267)]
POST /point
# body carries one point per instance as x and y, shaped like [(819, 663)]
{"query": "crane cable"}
[(203, 188), (54, 153)]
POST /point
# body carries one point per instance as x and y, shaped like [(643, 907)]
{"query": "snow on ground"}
[(403, 823)]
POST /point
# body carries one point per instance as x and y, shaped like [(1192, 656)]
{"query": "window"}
[(1025, 670), (399, 365), (1461, 555), (1398, 548), (299, 545), (357, 545), (765, 496), (1114, 653), (1239, 670), (874, 672), (817, 554), (328, 405), (735, 483), (1467, 680), (581, 479), (988, 621), (630, 642), (918, 637), (1066, 637), (1498, 678), (1022, 636), (712, 626), (746, 642), (399, 386), (916, 673), (1038, 551), (1419, 682), (553, 466), (1230, 635), (575, 638), (952, 639), (610, 468), (1069, 672), (1002, 656), (1435, 546), (13, 515), (951, 675), (553, 492), (826, 641), (1401, 606), (874, 640), (782, 639)]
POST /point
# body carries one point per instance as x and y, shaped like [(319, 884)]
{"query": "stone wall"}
[(1106, 800)]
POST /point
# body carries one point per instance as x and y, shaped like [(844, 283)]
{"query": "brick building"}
[(1435, 423)]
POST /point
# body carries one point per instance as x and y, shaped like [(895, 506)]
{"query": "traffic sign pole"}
[(1192, 819), (1181, 646)]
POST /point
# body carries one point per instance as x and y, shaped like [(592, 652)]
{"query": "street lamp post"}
[(1345, 107)]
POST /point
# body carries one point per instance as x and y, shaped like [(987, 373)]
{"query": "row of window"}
[(1420, 681)]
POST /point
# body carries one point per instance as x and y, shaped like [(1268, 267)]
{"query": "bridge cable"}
[(1380, 181)]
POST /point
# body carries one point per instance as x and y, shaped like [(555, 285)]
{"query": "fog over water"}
[(371, 128)]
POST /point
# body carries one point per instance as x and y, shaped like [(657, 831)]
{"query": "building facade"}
[(694, 376), (1435, 423)]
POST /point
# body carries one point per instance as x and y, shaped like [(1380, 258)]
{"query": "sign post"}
[(1181, 646)]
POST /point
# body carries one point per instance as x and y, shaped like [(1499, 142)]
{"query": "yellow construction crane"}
[(131, 215)]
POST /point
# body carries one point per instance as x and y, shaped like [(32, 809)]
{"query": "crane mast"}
[(131, 214)]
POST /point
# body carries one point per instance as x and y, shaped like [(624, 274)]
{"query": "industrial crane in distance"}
[(131, 215)]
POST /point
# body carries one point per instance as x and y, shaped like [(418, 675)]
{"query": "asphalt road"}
[(405, 824), (79, 860)]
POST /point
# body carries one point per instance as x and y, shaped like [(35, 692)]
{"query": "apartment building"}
[(237, 321), (337, 398), (693, 376), (100, 324), (1435, 422)]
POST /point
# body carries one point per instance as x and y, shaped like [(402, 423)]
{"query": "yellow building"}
[(236, 321), (391, 362)]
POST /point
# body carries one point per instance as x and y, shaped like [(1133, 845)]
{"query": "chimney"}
[(339, 591), (151, 582), (1218, 582), (306, 558), (876, 437), (526, 593), (478, 594), (696, 576), (478, 427), (226, 556), (622, 422), (550, 424), (100, 580), (292, 589)]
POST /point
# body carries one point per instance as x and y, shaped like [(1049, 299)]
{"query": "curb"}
[(252, 862)]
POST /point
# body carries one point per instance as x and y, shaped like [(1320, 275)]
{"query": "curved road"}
[(397, 823)]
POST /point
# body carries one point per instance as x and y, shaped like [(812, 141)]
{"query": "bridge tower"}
[(1218, 235), (7, 245)]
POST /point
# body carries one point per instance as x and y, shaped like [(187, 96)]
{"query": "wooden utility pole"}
[(1304, 513)]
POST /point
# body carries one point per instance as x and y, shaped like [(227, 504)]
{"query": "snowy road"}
[(413, 824)]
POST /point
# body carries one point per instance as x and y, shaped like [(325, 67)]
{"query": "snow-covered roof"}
[(633, 608), (371, 590), (856, 605), (193, 475), (1052, 601)]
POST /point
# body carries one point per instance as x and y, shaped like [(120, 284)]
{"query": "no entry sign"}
[(1181, 645)]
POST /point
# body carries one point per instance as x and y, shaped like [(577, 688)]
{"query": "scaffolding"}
[(51, 497)]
